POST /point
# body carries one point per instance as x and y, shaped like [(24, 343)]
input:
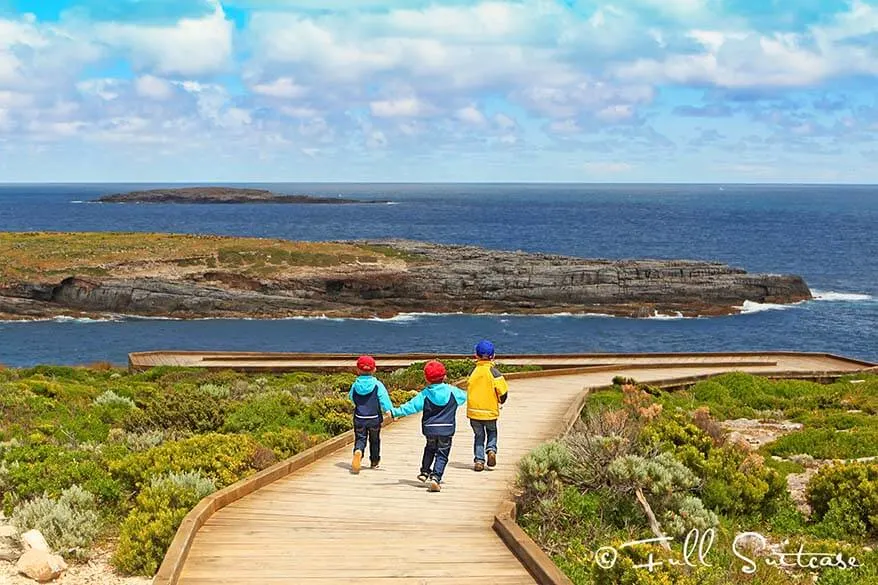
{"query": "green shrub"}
[(223, 458), (182, 409), (145, 440), (288, 442), (842, 520), (69, 523), (844, 498), (827, 443), (541, 471), (738, 483), (215, 391), (35, 470), (333, 413), (159, 509), (111, 399), (733, 481), (665, 482), (263, 412)]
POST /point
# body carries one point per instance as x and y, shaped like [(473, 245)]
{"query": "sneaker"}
[(434, 485), (492, 459), (422, 477), (358, 459), (374, 465), (479, 466)]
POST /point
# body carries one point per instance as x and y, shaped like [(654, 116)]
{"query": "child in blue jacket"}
[(439, 402), (370, 400)]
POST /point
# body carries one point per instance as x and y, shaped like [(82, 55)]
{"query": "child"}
[(439, 402), (486, 391), (370, 400)]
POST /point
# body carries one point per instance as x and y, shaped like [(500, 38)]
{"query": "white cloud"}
[(616, 113), (504, 122), (407, 107), (471, 115), (747, 59), (568, 126), (106, 89), (298, 112), (191, 47), (152, 87), (283, 87)]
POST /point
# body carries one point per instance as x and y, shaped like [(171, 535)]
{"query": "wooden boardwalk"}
[(285, 362), (322, 525)]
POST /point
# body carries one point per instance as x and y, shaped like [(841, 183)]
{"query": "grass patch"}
[(29, 256)]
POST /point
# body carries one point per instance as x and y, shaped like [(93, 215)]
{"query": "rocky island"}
[(219, 195), (96, 274)]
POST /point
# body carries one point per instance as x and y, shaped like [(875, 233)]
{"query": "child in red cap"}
[(439, 402), (370, 400)]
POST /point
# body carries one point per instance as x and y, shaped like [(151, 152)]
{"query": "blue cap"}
[(485, 348)]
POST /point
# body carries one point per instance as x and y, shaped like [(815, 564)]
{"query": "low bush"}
[(827, 443), (259, 413), (540, 472), (222, 458), (36, 470), (111, 399), (181, 409), (288, 442), (69, 523), (845, 496), (333, 413), (159, 509)]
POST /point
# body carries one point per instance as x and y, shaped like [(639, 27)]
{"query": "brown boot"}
[(358, 460), (479, 466), (434, 485), (492, 459)]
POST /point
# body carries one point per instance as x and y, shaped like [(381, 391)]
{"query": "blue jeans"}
[(374, 436), (436, 453), (486, 432)]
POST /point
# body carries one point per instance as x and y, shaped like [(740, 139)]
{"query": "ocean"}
[(825, 233)]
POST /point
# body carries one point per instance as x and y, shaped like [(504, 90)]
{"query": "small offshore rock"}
[(41, 565)]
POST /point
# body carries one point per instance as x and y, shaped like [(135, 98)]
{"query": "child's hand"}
[(388, 414)]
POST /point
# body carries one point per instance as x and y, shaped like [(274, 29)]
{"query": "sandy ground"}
[(95, 572)]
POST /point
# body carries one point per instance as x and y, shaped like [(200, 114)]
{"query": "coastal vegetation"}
[(102, 457), (731, 455), (41, 256)]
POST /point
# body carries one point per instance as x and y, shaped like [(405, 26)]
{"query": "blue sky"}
[(448, 90)]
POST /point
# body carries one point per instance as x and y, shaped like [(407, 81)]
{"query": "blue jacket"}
[(371, 401), (439, 404)]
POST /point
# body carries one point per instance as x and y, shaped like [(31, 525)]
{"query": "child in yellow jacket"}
[(486, 391)]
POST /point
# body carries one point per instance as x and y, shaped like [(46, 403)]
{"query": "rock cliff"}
[(416, 277)]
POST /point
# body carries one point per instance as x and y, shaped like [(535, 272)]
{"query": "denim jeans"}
[(374, 436), (436, 453), (486, 432)]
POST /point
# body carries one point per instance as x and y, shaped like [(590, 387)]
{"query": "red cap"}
[(434, 371), (366, 363)]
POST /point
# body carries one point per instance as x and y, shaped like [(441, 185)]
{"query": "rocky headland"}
[(220, 195), (164, 275)]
